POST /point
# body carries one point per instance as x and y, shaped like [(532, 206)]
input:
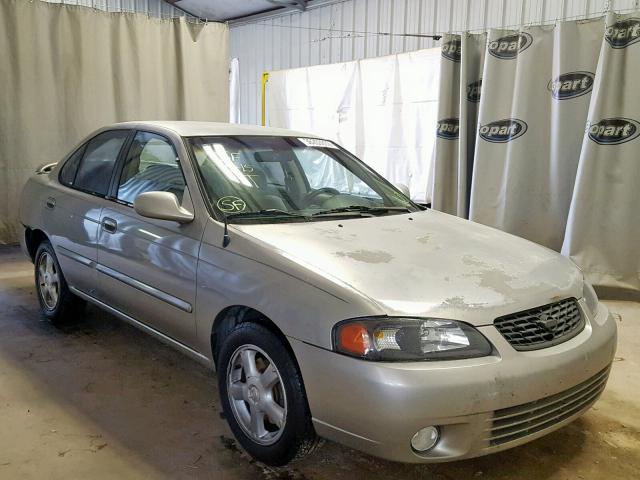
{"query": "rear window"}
[(70, 167)]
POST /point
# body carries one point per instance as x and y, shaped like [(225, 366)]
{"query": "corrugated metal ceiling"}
[(225, 10), (211, 10), (222, 10)]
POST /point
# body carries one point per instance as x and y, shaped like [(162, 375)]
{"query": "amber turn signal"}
[(353, 338)]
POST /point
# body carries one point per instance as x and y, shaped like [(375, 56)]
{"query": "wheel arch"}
[(32, 240), (233, 315)]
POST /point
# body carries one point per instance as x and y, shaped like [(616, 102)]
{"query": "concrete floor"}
[(99, 399)]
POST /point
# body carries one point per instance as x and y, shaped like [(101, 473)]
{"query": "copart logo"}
[(571, 85), (613, 131), (510, 46), (623, 33), (448, 128), (473, 91), (452, 50), (502, 131)]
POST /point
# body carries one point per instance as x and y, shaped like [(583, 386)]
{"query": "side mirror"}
[(46, 168), (162, 206), (404, 189)]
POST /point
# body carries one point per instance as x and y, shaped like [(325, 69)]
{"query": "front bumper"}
[(377, 407)]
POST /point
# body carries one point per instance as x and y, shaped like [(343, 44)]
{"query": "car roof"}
[(201, 129)]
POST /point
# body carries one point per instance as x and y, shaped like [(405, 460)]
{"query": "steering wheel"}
[(309, 197)]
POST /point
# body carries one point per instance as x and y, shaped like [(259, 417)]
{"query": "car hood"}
[(427, 264)]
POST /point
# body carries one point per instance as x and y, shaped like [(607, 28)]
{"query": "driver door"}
[(147, 267)]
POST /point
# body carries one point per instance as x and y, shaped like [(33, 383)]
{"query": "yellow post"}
[(265, 79)]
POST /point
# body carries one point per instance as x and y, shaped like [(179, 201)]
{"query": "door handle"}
[(51, 203), (109, 225)]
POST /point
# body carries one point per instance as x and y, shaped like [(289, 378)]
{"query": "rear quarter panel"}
[(72, 226), (34, 194)]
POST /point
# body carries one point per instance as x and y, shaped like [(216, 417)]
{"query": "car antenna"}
[(226, 239)]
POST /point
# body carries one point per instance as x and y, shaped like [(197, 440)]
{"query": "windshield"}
[(288, 178)]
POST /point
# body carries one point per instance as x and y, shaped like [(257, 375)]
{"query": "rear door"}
[(73, 209), (147, 267)]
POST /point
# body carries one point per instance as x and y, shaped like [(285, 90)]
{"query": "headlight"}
[(407, 339), (590, 298)]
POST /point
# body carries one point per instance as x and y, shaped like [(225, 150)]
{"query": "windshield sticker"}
[(231, 204), (318, 143)]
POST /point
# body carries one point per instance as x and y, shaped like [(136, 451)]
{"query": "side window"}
[(99, 158), (152, 165), (70, 167)]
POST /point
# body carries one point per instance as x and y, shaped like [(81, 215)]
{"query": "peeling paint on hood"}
[(428, 264)]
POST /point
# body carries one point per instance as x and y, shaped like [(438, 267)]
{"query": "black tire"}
[(298, 438), (67, 305)]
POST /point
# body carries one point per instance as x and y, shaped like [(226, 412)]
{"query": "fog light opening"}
[(425, 439)]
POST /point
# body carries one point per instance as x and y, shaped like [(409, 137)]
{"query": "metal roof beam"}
[(297, 4), (310, 5)]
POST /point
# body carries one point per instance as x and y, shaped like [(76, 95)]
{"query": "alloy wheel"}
[(256, 394), (48, 281)]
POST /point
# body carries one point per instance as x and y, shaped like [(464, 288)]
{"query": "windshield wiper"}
[(267, 212), (360, 209)]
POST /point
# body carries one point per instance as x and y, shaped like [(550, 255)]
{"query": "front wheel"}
[(263, 396)]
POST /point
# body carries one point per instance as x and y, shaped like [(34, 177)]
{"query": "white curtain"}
[(603, 228), (555, 159), (65, 71), (384, 110), (458, 99), (234, 90)]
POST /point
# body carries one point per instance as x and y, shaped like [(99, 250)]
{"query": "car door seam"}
[(140, 324), (76, 256), (143, 287)]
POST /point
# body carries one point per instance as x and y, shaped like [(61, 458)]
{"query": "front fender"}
[(302, 303)]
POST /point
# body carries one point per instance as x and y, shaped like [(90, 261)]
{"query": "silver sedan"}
[(329, 303)]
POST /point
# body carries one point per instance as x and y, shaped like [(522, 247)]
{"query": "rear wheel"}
[(57, 303), (263, 396)]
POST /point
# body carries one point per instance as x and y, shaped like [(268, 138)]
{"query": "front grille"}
[(509, 424), (542, 327)]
